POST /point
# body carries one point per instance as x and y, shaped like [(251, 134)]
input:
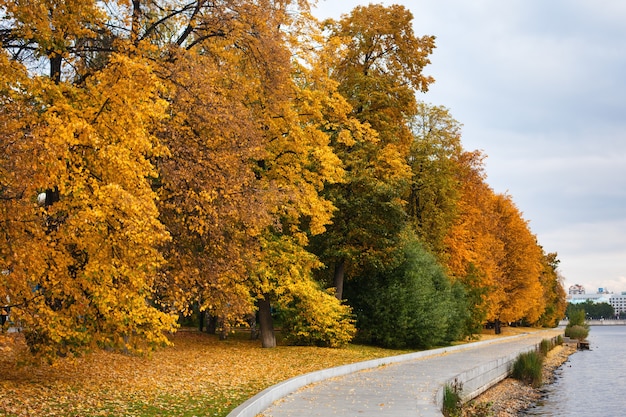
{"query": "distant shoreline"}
[(605, 322)]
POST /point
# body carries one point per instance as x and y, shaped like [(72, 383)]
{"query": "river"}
[(591, 383)]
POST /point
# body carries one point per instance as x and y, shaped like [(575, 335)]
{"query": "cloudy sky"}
[(540, 88)]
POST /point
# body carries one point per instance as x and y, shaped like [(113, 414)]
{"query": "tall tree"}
[(409, 304), (377, 62), (554, 295), (211, 196), (82, 273), (519, 282), (379, 68), (435, 186), (492, 250), (473, 252)]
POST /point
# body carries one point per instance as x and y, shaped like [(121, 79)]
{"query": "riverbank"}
[(510, 397)]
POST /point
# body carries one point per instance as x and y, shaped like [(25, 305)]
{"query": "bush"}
[(314, 317), (545, 346), (527, 368), (577, 332), (411, 305), (577, 318), (452, 402)]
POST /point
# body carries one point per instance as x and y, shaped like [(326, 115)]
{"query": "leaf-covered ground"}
[(198, 376)]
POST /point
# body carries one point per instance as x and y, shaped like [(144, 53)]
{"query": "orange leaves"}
[(490, 236)]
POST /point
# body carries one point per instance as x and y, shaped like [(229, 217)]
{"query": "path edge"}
[(264, 399), (477, 380)]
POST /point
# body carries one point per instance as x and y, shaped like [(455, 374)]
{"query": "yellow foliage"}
[(85, 268), (197, 373)]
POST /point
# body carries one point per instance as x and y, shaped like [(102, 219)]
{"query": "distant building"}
[(595, 298), (576, 289), (617, 301)]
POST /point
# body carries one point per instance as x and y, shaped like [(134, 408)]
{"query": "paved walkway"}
[(402, 389)]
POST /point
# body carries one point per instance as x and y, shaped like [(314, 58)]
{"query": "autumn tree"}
[(298, 165), (519, 281), (492, 250), (379, 68), (554, 296), (472, 248), (81, 252), (377, 62), (241, 191), (211, 198)]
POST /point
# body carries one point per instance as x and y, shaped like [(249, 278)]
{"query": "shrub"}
[(577, 332), (452, 399), (545, 346), (314, 317), (527, 368), (577, 318), (410, 305)]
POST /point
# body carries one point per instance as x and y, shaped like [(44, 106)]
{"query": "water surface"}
[(591, 383)]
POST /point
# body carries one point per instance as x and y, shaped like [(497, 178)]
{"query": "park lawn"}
[(197, 376)]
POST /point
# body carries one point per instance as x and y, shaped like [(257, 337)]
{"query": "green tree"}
[(435, 187), (590, 309), (410, 305), (576, 314), (577, 328), (377, 62)]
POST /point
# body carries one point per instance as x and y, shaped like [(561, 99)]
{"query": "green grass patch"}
[(577, 332), (527, 368), (452, 402), (545, 346)]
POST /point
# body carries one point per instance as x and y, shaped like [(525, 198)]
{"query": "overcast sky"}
[(540, 88)]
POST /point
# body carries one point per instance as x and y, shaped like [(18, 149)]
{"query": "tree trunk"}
[(268, 339), (56, 61), (211, 326), (497, 327), (201, 316), (340, 270), (224, 328)]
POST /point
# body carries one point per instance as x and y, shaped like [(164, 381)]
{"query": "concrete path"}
[(406, 388)]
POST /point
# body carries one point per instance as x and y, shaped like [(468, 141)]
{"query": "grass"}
[(577, 332), (545, 346), (452, 402), (198, 376), (528, 368)]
